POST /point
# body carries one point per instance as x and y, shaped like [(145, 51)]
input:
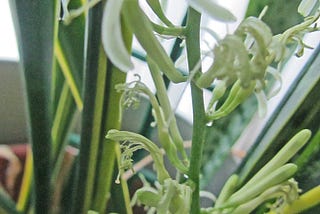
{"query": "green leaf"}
[(67, 79), (94, 85), (99, 113), (7, 205), (36, 24)]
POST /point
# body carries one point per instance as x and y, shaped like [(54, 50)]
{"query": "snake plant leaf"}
[(95, 171), (281, 14), (36, 24), (69, 57), (7, 205), (67, 77), (212, 9), (95, 72), (111, 151), (62, 121)]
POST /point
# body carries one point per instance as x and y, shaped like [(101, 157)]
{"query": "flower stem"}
[(199, 119)]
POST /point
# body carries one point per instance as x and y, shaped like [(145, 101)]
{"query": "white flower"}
[(212, 9)]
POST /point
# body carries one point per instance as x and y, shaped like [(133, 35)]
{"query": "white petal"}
[(306, 6), (112, 37), (277, 76), (262, 103), (212, 9)]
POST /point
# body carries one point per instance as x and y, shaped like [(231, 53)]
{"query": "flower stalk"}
[(199, 116)]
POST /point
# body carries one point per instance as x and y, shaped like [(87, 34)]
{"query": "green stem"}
[(168, 31), (163, 132), (166, 107), (199, 118), (157, 9)]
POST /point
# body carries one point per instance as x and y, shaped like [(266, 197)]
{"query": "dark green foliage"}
[(35, 26), (281, 14)]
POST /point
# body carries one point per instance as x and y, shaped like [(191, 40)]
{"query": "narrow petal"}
[(112, 38), (262, 103), (277, 76), (212, 9), (306, 6)]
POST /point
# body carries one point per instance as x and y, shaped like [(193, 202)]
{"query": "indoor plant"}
[(81, 78)]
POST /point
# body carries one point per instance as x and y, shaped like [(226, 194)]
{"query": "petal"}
[(112, 38), (148, 196), (212, 9), (306, 6), (277, 76), (262, 103)]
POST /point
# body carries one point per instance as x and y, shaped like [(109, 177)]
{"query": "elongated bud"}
[(218, 91), (278, 176), (236, 96), (142, 28), (283, 156), (227, 190)]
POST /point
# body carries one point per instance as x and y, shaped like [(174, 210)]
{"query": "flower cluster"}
[(243, 60)]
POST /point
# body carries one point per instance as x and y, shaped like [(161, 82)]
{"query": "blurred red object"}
[(12, 161)]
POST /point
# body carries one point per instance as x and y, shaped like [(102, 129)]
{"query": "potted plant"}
[(74, 60)]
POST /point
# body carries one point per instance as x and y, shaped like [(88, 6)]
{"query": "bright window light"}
[(8, 42)]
